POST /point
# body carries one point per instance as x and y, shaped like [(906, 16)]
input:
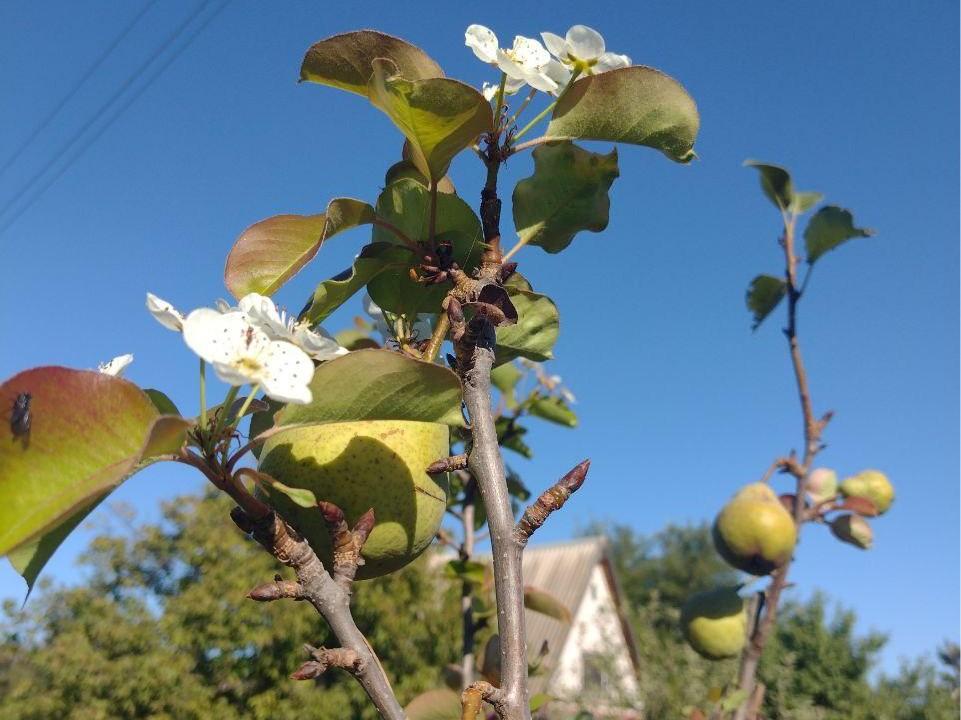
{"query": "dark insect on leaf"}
[(20, 416)]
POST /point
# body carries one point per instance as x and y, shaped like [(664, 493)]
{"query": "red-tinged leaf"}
[(270, 252), (860, 505), (87, 433)]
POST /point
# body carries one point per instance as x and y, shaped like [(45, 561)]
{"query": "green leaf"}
[(438, 704), (763, 295), (779, 188), (733, 700), (405, 169), (567, 193), (302, 497), (406, 206), (438, 116), (334, 292), (543, 602), (167, 435), (775, 182), (536, 331), (636, 105), (466, 570), (270, 252), (379, 385), (829, 227), (539, 700), (516, 487), (164, 405), (346, 61), (87, 434), (505, 377), (510, 435), (553, 409), (804, 201)]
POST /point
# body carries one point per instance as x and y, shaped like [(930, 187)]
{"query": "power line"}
[(106, 106), (69, 96)]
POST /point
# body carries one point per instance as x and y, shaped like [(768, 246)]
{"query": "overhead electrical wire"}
[(49, 118), (120, 110)]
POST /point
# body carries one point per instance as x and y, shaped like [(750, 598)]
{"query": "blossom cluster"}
[(253, 343), (581, 52)]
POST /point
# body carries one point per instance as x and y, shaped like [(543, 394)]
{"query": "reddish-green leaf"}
[(88, 432)]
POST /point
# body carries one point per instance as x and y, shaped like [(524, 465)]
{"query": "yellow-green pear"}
[(872, 485), (359, 465), (715, 623), (754, 532), (853, 529)]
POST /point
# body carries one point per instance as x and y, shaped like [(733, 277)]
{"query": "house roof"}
[(564, 570)]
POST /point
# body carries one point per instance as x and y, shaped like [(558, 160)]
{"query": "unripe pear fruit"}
[(872, 485), (853, 529), (754, 532), (359, 465), (822, 485), (714, 623)]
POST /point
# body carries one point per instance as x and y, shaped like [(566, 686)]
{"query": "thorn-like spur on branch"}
[(478, 693), (347, 543), (330, 597), (323, 658), (550, 500), (279, 589), (448, 464)]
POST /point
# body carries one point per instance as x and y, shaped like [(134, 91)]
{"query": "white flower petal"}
[(610, 61), (584, 43), (165, 313), (223, 306), (318, 344), (540, 81), (287, 372), (263, 314), (556, 45), (507, 66), (224, 338), (483, 42), (116, 366), (558, 72), (234, 374), (528, 53), (512, 86)]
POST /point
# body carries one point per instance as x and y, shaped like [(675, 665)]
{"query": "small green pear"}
[(872, 485), (822, 485), (853, 529), (714, 623), (754, 532), (359, 465)]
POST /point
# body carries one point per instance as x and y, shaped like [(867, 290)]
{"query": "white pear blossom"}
[(582, 50), (165, 313), (489, 90), (525, 62), (116, 366), (241, 353), (264, 315)]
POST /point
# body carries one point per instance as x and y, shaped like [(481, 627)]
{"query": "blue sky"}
[(680, 403)]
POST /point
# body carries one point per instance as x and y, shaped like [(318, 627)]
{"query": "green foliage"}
[(779, 188), (636, 105), (89, 432), (406, 204), (536, 330), (553, 409), (379, 385), (439, 117), (567, 193), (543, 602), (162, 629), (829, 227), (373, 260), (764, 294)]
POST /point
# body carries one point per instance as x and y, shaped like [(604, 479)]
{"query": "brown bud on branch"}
[(448, 464), (550, 500)]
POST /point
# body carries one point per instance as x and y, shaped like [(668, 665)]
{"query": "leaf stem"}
[(543, 113), (203, 394), (437, 338), (250, 398), (513, 251), (225, 410), (523, 106)]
